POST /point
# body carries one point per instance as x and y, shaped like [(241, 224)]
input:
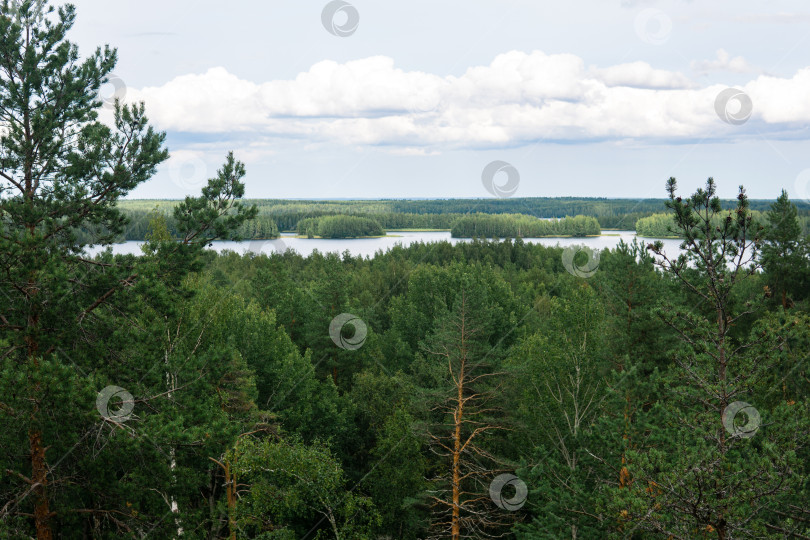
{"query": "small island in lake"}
[(340, 226), (521, 225)]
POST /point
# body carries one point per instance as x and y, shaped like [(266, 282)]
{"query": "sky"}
[(373, 99)]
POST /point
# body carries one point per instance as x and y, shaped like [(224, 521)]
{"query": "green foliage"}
[(786, 253), (72, 326), (275, 215), (605, 395), (519, 225), (290, 483), (719, 481), (340, 227), (215, 214), (663, 225), (562, 369), (657, 226)]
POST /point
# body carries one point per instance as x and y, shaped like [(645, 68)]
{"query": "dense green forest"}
[(340, 226), (137, 226), (266, 225), (663, 225), (488, 389), (416, 214), (390, 220), (543, 207), (263, 226), (285, 215), (517, 225)]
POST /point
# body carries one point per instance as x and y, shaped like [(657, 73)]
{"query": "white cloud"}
[(770, 18), (724, 62), (642, 75), (517, 99), (781, 101)]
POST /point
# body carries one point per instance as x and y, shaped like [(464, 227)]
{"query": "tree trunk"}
[(458, 415), (171, 386), (624, 474), (39, 476), (39, 465), (230, 490), (333, 523), (173, 502), (721, 375), (456, 526), (230, 495)]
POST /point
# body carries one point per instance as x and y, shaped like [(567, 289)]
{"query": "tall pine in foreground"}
[(62, 171), (724, 447), (785, 253)]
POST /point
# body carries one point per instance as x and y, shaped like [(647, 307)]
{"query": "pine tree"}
[(62, 172), (784, 255), (468, 416), (711, 464)]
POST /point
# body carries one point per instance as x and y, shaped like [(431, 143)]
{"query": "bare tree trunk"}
[(459, 413), (466, 407), (458, 416)]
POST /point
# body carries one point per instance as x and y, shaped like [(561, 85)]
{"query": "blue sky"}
[(584, 98)]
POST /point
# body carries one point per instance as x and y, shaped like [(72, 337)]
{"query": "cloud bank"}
[(518, 99)]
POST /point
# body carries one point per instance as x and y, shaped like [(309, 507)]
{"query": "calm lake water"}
[(370, 246)]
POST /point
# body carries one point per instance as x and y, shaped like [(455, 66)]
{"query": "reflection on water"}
[(369, 246)]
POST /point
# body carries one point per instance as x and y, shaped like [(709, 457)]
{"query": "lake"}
[(367, 247)]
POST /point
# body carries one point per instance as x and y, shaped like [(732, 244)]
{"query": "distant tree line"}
[(288, 221), (278, 215), (545, 207), (352, 226), (623, 222), (519, 225), (138, 223)]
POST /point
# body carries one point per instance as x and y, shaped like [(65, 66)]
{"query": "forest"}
[(512, 217), (662, 225), (518, 225), (488, 389), (339, 226)]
